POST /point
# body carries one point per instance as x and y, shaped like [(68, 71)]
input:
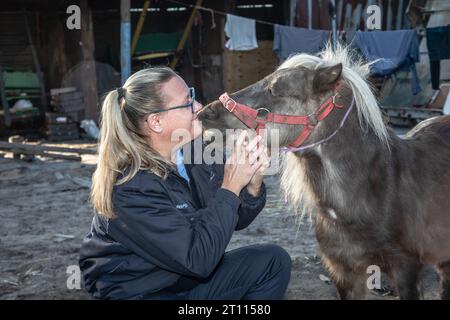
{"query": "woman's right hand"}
[(238, 169)]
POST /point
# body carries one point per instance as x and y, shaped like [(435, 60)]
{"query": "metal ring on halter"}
[(264, 109)]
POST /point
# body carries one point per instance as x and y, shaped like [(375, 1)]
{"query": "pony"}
[(379, 199)]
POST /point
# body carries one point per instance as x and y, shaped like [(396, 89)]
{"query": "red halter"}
[(257, 118)]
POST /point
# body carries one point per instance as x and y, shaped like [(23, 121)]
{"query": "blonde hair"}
[(121, 145)]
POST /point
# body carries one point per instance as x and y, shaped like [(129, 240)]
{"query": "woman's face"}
[(176, 93)]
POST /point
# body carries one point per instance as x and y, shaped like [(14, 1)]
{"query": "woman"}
[(161, 228)]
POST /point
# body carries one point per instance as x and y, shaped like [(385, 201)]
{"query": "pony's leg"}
[(350, 284), (444, 271), (406, 278), (352, 287)]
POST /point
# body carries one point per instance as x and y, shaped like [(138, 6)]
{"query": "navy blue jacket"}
[(168, 234)]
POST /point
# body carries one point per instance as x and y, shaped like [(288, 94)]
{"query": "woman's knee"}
[(270, 255)]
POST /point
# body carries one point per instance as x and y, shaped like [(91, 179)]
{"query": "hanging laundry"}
[(241, 33), (438, 42), (290, 40), (394, 50)]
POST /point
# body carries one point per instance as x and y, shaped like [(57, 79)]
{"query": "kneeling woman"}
[(161, 227)]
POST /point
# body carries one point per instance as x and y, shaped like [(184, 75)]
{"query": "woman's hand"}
[(258, 153), (242, 165)]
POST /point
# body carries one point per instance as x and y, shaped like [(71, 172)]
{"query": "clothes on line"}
[(391, 51), (438, 42), (241, 33), (290, 40)]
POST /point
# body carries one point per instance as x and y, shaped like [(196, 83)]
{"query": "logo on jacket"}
[(182, 206)]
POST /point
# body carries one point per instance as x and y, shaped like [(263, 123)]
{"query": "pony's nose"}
[(209, 112)]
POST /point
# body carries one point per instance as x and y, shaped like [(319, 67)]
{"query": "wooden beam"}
[(187, 31), (89, 83), (154, 55), (37, 65), (4, 101), (54, 51), (140, 24)]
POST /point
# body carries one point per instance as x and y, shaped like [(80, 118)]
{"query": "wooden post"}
[(4, 102), (125, 35), (186, 33), (140, 24), (37, 65), (89, 85), (54, 54)]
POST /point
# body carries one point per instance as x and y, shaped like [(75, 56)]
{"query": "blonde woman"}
[(161, 226)]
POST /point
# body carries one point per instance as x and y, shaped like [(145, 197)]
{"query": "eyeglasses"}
[(189, 104)]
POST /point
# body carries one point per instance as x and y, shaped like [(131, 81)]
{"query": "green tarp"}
[(158, 42)]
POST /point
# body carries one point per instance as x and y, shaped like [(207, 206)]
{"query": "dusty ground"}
[(45, 214)]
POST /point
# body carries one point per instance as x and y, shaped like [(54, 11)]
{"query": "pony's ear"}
[(288, 82), (325, 78)]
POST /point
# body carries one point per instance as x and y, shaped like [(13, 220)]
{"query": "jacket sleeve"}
[(149, 225), (250, 207)]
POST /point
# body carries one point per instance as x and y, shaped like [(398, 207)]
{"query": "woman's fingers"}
[(241, 139), (239, 148), (255, 155), (253, 144), (248, 152)]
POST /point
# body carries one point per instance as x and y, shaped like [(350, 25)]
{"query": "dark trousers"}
[(256, 272)]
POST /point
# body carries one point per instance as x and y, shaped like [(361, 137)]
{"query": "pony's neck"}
[(350, 141), (336, 167)]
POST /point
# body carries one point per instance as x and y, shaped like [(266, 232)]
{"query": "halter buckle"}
[(233, 107)]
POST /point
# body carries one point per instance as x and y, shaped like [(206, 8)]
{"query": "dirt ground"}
[(45, 214)]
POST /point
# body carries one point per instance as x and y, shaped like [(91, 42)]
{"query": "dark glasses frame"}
[(190, 104)]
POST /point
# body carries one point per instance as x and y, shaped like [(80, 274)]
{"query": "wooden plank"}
[(42, 148), (47, 154)]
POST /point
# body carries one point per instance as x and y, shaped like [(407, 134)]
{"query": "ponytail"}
[(121, 146)]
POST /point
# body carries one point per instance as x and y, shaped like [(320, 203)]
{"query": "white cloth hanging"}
[(241, 33)]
